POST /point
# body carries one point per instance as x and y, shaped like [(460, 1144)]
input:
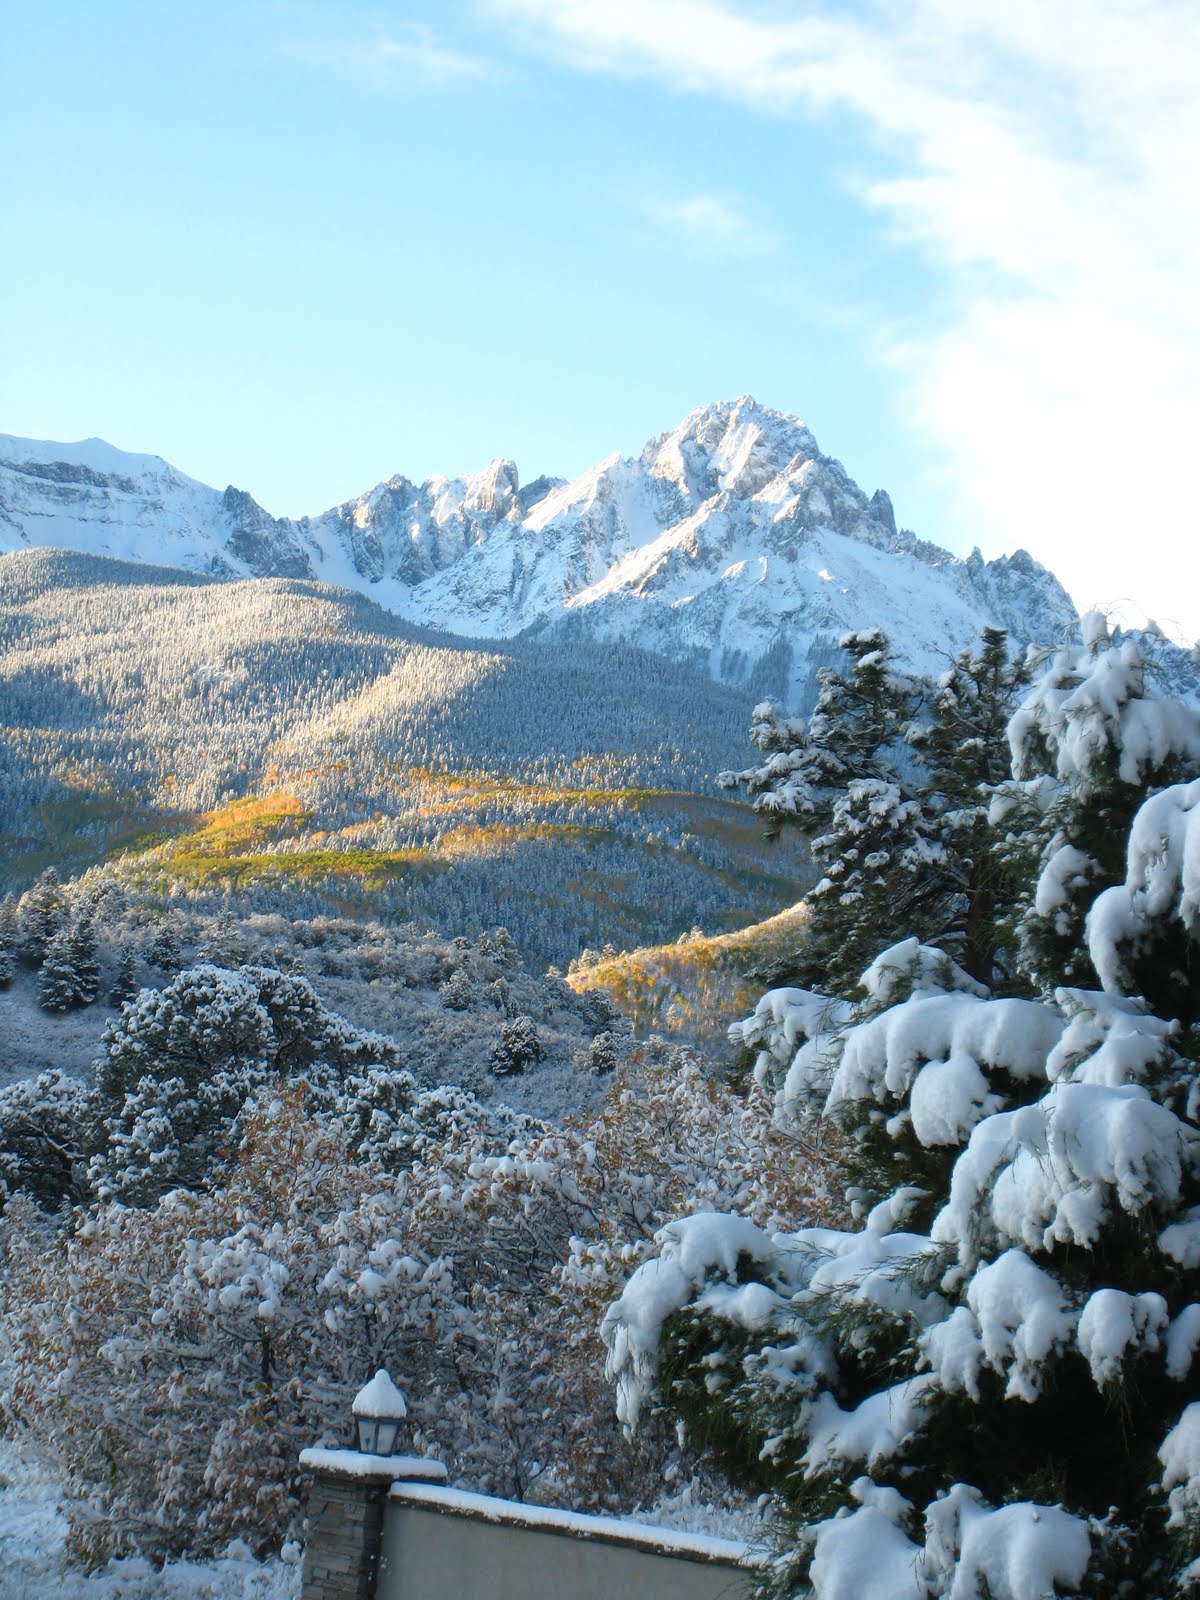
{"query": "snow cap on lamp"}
[(379, 1409)]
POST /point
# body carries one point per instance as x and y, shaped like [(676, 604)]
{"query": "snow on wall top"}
[(580, 1525), (361, 1464)]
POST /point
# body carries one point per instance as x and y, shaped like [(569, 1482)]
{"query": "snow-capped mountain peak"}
[(730, 542)]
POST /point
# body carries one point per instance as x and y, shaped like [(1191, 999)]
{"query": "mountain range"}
[(731, 544)]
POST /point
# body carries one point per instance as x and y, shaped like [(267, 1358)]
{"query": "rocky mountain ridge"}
[(731, 543)]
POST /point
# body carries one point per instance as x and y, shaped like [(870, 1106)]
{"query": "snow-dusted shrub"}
[(392, 1122), (45, 1126), (984, 1389), (177, 1357), (180, 1063)]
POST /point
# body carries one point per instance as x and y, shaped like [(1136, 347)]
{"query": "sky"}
[(300, 247)]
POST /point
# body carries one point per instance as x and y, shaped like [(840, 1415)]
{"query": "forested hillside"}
[(279, 738), (688, 989)]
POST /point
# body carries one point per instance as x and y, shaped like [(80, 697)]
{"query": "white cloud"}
[(1044, 155), (407, 56), (718, 223)]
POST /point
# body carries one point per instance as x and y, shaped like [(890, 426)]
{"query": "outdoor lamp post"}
[(379, 1410), (344, 1555)]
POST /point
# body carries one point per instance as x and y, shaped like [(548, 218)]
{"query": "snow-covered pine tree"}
[(459, 992), (844, 778), (890, 782), (504, 948), (10, 940), (602, 1054), (43, 912), (70, 974), (164, 950), (124, 984), (44, 1124), (223, 945), (964, 756), (517, 1048), (987, 1389), (10, 930)]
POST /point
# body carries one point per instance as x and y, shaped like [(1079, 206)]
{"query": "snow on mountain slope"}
[(89, 496), (731, 543)]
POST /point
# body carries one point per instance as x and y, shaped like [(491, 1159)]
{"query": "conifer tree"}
[(223, 946), (964, 755), (44, 1126), (180, 1063), (500, 995), (890, 781), (164, 951), (1084, 751), (70, 974), (602, 1054), (517, 1049), (10, 927), (10, 940), (458, 991), (843, 778), (125, 984), (987, 1386), (82, 942), (43, 913), (504, 948)]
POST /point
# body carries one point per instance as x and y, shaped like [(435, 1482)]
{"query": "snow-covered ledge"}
[(377, 1469), (580, 1525)]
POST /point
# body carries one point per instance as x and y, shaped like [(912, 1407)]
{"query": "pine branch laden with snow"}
[(1088, 745), (985, 1388)]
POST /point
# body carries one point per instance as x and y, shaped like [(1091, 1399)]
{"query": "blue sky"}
[(299, 247)]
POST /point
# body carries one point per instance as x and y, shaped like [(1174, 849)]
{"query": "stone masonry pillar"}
[(346, 1510)]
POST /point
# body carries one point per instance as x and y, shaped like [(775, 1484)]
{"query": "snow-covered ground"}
[(33, 1040), (33, 1560)]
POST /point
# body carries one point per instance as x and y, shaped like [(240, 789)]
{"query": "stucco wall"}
[(436, 1551)]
